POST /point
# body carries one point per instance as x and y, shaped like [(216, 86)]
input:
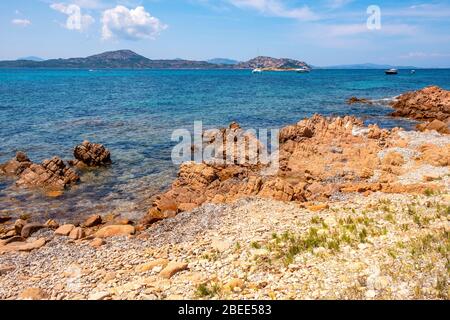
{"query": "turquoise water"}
[(48, 112)]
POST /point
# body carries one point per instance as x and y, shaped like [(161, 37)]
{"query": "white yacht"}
[(303, 70), (391, 71)]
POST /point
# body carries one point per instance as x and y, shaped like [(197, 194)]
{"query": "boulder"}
[(91, 155), (51, 174), (15, 166), (76, 233), (172, 268), (18, 225), (114, 231), (155, 215), (64, 230), (92, 221), (30, 228), (22, 246)]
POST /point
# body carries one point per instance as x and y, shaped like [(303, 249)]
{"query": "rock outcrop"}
[(15, 166), (319, 158), (51, 174), (91, 155), (429, 104)]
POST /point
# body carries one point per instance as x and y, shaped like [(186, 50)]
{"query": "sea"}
[(45, 113)]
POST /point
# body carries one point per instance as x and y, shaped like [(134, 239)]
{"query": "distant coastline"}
[(127, 59)]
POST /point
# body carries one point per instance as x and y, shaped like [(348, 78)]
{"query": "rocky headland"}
[(353, 212)]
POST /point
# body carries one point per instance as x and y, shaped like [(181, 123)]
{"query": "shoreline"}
[(354, 212)]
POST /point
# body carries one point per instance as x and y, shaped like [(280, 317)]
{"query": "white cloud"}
[(21, 22), (276, 8), (130, 24), (75, 19)]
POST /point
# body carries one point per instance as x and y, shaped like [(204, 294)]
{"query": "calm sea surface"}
[(48, 112)]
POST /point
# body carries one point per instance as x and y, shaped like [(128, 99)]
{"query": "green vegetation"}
[(208, 290), (349, 231)]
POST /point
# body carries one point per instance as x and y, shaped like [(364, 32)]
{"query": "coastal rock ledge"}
[(431, 105), (320, 160)]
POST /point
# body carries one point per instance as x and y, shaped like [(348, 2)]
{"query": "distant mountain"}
[(31, 58), (223, 61), (268, 62), (121, 59), (127, 59), (366, 66)]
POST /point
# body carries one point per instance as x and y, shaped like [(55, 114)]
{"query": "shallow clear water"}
[(133, 112)]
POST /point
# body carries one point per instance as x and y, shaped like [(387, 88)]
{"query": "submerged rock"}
[(354, 100)]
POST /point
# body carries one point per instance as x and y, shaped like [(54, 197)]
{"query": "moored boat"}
[(303, 70), (391, 71)]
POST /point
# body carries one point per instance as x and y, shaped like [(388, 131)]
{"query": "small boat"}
[(257, 70), (413, 71), (303, 70), (91, 70), (391, 71)]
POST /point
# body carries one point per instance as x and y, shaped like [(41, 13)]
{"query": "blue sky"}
[(320, 32)]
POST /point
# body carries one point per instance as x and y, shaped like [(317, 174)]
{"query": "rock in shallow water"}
[(15, 166), (91, 155), (51, 174), (93, 221), (427, 104)]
